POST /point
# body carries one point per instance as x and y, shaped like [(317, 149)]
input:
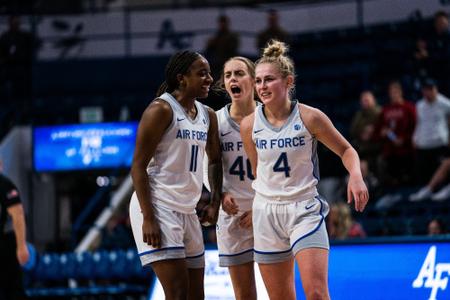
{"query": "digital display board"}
[(83, 146), (358, 271)]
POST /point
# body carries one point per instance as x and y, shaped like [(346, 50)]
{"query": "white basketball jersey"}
[(288, 167), (176, 169), (237, 171)]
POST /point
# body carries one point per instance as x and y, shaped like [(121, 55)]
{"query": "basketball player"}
[(173, 135), (234, 226), (280, 139)]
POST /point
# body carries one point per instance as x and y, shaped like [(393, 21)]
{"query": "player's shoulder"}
[(247, 122)]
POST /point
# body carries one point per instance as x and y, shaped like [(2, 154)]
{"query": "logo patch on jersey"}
[(309, 206), (12, 194), (259, 130), (180, 119), (297, 126), (224, 134)]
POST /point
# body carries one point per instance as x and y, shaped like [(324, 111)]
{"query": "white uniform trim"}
[(288, 168), (181, 236), (176, 169)]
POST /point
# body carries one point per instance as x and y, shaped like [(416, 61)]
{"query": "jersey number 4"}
[(237, 168), (282, 165)]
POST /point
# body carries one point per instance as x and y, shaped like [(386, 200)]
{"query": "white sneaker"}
[(442, 195), (387, 201), (422, 194)]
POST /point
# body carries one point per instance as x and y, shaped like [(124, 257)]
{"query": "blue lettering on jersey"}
[(231, 146), (261, 144), (186, 134), (296, 141), (227, 146)]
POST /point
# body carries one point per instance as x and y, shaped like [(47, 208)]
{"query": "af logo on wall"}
[(432, 275)]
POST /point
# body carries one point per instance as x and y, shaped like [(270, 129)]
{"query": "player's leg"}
[(279, 279), (310, 246), (173, 275), (169, 261), (243, 280), (196, 284), (313, 266), (235, 245), (195, 256), (272, 249)]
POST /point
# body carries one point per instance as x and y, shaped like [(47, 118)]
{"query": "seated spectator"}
[(273, 31), (431, 190), (363, 126), (340, 223), (436, 227), (394, 130), (431, 133)]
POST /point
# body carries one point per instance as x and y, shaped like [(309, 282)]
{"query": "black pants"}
[(427, 162), (11, 281)]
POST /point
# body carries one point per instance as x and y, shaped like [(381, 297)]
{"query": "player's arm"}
[(154, 122), (246, 135), (321, 127), (19, 226), (215, 172)]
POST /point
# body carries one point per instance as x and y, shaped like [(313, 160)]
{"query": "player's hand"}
[(22, 254), (229, 205), (209, 214), (245, 221), (357, 191), (151, 232)]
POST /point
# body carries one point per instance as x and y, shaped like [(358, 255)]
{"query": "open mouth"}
[(235, 90)]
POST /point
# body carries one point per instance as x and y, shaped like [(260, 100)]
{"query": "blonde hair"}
[(275, 53), (343, 220)]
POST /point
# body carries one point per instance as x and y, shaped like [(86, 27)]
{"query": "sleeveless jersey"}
[(176, 170), (288, 167), (237, 171)]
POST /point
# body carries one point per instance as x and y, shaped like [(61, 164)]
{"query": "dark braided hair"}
[(179, 63)]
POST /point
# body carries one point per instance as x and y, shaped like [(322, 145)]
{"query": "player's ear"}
[(180, 79), (290, 81)]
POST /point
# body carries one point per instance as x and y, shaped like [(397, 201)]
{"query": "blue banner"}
[(83, 146), (359, 271)]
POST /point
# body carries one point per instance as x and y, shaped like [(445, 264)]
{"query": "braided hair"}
[(179, 63)]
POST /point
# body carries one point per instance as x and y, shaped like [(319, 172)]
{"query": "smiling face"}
[(238, 81), (197, 81), (270, 84)]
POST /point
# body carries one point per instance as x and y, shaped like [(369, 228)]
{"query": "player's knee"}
[(246, 294), (316, 293), (177, 295), (178, 291)]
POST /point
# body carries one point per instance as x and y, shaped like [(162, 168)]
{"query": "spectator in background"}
[(16, 56), (223, 45), (431, 133), (421, 59), (13, 246), (436, 227), (429, 191), (340, 223), (438, 46), (117, 233), (394, 130), (363, 126), (273, 31)]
